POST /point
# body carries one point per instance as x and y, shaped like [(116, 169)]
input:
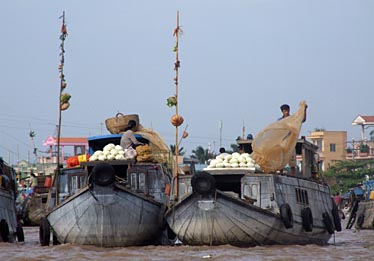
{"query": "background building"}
[(332, 146)]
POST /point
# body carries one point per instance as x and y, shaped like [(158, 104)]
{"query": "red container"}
[(48, 182)]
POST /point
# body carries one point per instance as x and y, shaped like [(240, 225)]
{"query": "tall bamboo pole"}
[(176, 67), (62, 87)]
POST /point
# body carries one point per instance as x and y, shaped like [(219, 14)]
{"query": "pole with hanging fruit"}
[(176, 120), (63, 98)]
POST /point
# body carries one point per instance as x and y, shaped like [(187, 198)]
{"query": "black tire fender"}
[(4, 230), (20, 233), (44, 232), (360, 220), (328, 222), (286, 215), (355, 206), (103, 174), (203, 183), (336, 217), (307, 217), (351, 220), (55, 240)]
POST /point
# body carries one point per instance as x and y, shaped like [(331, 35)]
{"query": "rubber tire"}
[(55, 240), (286, 215), (103, 174), (20, 233), (161, 217), (328, 223), (4, 230), (44, 232), (355, 206), (336, 217), (360, 220), (351, 220), (307, 217), (203, 183)]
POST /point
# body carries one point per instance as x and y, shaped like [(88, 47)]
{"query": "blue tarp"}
[(358, 191)]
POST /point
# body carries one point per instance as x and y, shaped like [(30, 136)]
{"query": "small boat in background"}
[(10, 229), (361, 212)]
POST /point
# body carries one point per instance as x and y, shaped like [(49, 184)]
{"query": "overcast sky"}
[(240, 60)]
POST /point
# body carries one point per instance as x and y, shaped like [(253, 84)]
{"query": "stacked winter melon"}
[(113, 152), (234, 160)]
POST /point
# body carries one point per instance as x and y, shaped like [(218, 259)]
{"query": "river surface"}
[(346, 245)]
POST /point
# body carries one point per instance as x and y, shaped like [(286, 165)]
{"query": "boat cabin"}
[(139, 177), (230, 180)]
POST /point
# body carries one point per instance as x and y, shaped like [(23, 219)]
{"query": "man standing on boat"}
[(285, 109)]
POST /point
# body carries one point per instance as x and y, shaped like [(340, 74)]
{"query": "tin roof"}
[(363, 120)]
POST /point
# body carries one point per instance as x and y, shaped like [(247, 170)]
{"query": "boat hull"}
[(8, 213), (221, 218), (364, 218), (107, 216)]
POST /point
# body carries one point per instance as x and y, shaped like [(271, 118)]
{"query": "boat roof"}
[(109, 136), (301, 143)]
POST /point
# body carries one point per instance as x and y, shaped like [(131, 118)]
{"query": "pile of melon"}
[(110, 152), (234, 160)]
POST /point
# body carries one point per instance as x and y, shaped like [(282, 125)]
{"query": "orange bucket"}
[(167, 189), (48, 182)]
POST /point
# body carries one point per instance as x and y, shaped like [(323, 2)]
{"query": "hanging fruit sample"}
[(177, 120)]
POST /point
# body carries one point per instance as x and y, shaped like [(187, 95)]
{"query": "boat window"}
[(142, 182), (254, 190), (82, 181), (133, 181), (74, 184), (246, 191), (306, 197), (298, 198), (302, 196), (182, 189), (63, 186)]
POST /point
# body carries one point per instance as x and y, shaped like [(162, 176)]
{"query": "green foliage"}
[(364, 148), (234, 147), (181, 151), (344, 175), (202, 155)]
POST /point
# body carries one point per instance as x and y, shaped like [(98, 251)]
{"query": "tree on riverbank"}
[(202, 155), (344, 175)]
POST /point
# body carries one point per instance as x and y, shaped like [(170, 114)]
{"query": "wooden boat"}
[(243, 207), (10, 229), (32, 208), (109, 204), (361, 213)]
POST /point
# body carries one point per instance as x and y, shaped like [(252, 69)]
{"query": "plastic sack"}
[(130, 153), (273, 146)]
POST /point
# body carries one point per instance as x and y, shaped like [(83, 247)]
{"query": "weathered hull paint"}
[(109, 216)]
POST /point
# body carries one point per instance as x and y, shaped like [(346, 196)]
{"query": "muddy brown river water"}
[(346, 245)]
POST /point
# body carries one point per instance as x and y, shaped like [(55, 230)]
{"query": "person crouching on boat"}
[(128, 137)]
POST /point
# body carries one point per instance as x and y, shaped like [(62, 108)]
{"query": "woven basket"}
[(118, 124)]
